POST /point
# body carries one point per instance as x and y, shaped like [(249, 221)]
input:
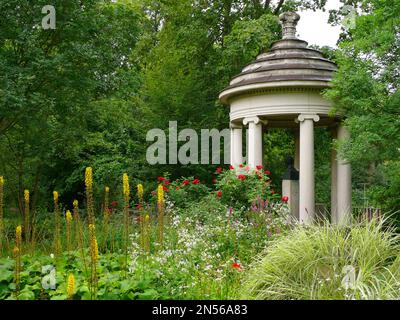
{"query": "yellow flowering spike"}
[(160, 194), (89, 177), (126, 188), (94, 250), (68, 216), (18, 235), (147, 218), (75, 204), (92, 228), (26, 196), (55, 196), (107, 189), (1, 181), (70, 286), (140, 191)]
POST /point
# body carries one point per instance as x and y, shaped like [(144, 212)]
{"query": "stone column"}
[(236, 145), (334, 166), (254, 145), (307, 176), (344, 186)]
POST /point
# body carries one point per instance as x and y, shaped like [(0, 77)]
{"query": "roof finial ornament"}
[(289, 22)]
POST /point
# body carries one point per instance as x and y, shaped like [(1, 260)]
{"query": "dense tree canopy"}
[(87, 92)]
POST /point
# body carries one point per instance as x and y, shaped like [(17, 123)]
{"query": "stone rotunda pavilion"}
[(283, 89)]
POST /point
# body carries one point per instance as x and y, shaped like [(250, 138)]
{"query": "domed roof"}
[(289, 63)]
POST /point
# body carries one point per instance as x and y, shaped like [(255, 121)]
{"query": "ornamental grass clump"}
[(328, 262), (57, 225)]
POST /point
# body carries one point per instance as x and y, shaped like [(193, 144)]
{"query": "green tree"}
[(366, 92)]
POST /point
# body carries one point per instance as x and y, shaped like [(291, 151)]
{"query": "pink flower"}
[(196, 181), (231, 168), (219, 170), (215, 181), (242, 177), (267, 172)]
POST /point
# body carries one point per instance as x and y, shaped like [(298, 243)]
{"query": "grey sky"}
[(314, 28)]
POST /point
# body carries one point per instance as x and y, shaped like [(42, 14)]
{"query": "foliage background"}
[(87, 92)]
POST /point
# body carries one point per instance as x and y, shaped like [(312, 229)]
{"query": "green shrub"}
[(328, 262), (184, 191), (241, 187)]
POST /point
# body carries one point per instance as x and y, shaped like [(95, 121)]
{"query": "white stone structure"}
[(283, 89)]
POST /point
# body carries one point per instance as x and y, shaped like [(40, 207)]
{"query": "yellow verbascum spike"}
[(125, 183), (160, 194), (70, 286), (55, 196), (89, 177), (68, 216)]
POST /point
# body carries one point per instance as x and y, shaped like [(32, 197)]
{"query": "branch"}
[(267, 4), (278, 8)]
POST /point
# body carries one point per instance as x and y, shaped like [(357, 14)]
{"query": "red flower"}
[(178, 188), (231, 168), (196, 181), (114, 204), (241, 166), (219, 194), (259, 167), (166, 182), (242, 177), (267, 172), (165, 189), (139, 206), (186, 182), (285, 199), (215, 181), (219, 170), (160, 179), (236, 266)]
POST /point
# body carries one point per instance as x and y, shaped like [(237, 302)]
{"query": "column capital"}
[(235, 125), (255, 120), (307, 116)]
